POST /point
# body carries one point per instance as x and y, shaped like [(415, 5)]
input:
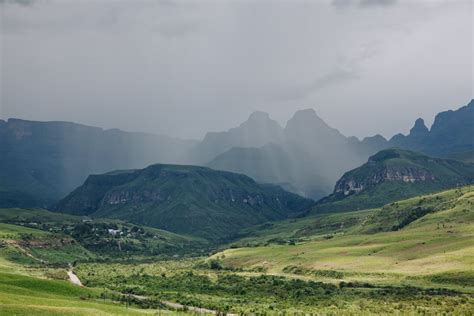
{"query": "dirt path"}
[(73, 278)]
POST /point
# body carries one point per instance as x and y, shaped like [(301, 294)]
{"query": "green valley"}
[(234, 158), (409, 256)]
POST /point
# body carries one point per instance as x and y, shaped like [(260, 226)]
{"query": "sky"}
[(184, 68)]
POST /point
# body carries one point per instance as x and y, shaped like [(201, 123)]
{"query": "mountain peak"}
[(306, 117), (305, 113), (419, 128), (259, 116), (306, 126)]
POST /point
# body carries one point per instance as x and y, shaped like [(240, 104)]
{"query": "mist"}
[(273, 90), (185, 68)]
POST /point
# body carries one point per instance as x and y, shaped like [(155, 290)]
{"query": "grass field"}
[(426, 248), (409, 257), (27, 287)]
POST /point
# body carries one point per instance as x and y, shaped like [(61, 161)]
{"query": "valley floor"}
[(410, 257)]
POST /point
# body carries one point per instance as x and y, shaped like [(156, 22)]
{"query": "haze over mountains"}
[(41, 162), (311, 156)]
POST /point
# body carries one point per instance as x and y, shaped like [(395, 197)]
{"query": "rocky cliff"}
[(394, 174)]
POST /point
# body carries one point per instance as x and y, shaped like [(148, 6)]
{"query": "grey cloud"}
[(363, 3), (330, 79), (185, 67), (19, 2)]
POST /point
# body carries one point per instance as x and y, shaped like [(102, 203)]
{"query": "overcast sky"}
[(184, 68)]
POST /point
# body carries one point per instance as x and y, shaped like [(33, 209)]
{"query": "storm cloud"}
[(183, 68)]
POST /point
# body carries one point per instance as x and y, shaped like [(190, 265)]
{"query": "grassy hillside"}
[(392, 175), (29, 295), (92, 239), (465, 156), (395, 259), (31, 246), (189, 200), (408, 257), (33, 279), (423, 241)]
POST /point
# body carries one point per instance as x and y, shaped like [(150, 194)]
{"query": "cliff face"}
[(394, 174), (351, 185)]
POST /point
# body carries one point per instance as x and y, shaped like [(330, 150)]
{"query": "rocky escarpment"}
[(395, 174), (351, 185)]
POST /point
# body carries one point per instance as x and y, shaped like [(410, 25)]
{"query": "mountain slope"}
[(396, 244), (309, 156), (393, 174), (287, 165), (40, 162), (258, 130), (101, 237), (183, 199)]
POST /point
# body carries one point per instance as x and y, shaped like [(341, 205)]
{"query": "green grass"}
[(15, 231), (192, 282), (26, 295), (438, 243), (26, 290), (33, 246), (409, 257), (92, 234)]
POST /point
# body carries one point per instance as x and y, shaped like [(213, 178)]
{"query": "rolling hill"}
[(189, 200), (424, 241), (36, 235)]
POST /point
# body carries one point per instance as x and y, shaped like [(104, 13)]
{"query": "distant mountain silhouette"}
[(309, 155), (452, 132), (257, 131), (40, 162), (312, 155)]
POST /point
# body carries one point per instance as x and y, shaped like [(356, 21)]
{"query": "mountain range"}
[(451, 133), (311, 156), (41, 162)]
